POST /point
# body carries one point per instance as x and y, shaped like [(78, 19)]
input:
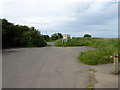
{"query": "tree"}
[(56, 36), (46, 37), (20, 36), (59, 35), (32, 38), (7, 33), (87, 35)]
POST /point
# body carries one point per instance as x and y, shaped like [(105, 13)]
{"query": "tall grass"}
[(74, 42), (105, 48)]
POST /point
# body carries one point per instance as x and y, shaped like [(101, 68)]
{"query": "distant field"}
[(105, 47)]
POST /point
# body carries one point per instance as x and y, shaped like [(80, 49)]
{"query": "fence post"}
[(115, 64)]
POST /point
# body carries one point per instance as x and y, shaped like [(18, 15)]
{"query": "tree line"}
[(20, 36), (24, 36)]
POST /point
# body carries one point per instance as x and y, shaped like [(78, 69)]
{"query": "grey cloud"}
[(53, 16)]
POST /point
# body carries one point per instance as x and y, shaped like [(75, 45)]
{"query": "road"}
[(45, 67)]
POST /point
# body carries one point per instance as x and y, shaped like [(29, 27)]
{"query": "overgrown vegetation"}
[(20, 36), (105, 48)]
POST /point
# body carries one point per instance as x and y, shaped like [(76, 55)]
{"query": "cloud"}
[(74, 17)]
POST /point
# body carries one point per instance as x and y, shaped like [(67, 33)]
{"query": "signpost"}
[(65, 38)]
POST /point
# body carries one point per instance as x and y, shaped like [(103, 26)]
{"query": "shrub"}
[(32, 38), (56, 36), (46, 37), (87, 35)]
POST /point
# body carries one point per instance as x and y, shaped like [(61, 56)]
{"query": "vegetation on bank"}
[(20, 36), (105, 48), (24, 36)]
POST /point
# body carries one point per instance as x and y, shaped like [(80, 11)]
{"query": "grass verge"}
[(105, 48)]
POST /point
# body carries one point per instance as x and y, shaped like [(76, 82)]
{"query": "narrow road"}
[(45, 67)]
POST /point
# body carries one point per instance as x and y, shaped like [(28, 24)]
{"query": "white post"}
[(115, 71)]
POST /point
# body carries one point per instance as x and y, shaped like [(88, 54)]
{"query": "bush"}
[(56, 36), (46, 37), (39, 42), (87, 35)]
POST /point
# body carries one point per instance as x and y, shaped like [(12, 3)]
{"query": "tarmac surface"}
[(45, 67), (51, 67)]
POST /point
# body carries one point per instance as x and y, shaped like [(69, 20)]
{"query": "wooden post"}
[(115, 64)]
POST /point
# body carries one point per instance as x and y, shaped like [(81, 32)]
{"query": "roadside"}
[(104, 76)]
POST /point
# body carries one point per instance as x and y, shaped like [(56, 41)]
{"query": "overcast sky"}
[(75, 17)]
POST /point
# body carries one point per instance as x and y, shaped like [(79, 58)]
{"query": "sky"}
[(74, 17)]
